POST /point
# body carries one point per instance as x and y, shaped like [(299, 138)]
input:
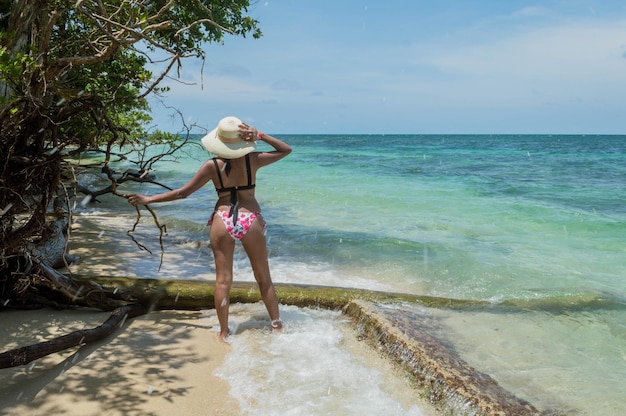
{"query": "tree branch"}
[(24, 355)]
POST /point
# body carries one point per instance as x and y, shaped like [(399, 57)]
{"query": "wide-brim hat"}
[(224, 140)]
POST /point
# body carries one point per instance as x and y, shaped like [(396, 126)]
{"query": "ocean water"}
[(485, 217)]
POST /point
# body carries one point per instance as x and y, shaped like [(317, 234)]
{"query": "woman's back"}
[(235, 179)]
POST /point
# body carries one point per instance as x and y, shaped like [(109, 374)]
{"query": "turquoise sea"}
[(540, 218)]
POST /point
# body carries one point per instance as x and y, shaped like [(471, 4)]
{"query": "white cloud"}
[(531, 11), (556, 53)]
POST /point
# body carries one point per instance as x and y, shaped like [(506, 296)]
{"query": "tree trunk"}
[(196, 294)]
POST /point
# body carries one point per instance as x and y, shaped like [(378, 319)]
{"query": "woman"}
[(237, 214)]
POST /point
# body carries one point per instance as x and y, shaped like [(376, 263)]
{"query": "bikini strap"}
[(234, 200), (248, 170), (219, 174)]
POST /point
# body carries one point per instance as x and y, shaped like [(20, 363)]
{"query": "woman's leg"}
[(223, 247), (256, 247)]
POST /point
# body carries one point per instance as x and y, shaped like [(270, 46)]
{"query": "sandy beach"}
[(158, 364), (162, 363)]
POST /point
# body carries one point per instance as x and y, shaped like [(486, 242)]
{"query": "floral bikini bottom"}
[(237, 227)]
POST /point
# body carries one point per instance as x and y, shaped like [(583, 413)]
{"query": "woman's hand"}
[(247, 133), (137, 199)]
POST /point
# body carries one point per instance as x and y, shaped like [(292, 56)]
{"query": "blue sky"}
[(418, 67)]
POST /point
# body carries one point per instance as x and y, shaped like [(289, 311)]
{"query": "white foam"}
[(306, 370)]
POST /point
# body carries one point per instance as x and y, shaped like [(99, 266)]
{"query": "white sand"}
[(158, 364)]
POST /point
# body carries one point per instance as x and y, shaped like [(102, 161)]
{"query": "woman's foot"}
[(223, 335), (277, 326)]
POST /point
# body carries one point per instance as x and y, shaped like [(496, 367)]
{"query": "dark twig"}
[(162, 230)]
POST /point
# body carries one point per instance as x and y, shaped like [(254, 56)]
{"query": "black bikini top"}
[(234, 189)]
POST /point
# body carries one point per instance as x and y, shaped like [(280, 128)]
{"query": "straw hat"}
[(224, 140)]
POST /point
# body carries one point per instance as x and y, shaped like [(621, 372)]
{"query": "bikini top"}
[(234, 189)]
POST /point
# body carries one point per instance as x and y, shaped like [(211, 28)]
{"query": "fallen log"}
[(24, 355), (197, 294)]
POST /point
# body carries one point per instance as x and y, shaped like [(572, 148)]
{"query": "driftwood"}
[(24, 355), (196, 294), (133, 175), (40, 285)]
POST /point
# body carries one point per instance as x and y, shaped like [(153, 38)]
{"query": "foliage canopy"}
[(74, 77)]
